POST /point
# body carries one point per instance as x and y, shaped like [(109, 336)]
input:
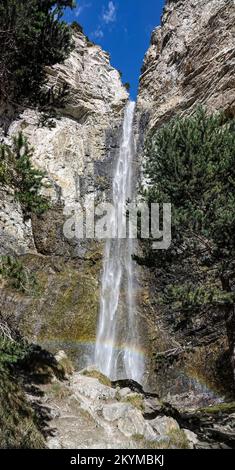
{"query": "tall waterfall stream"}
[(117, 352)]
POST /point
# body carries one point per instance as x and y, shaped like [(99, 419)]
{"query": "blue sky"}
[(121, 27)]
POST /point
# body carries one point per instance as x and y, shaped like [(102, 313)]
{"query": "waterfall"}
[(117, 342)]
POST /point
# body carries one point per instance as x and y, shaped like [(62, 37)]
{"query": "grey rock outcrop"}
[(164, 425), (191, 60), (91, 415), (77, 153), (100, 419), (15, 232), (115, 411)]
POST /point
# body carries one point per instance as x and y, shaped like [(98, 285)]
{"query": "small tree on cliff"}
[(17, 172), (32, 36)]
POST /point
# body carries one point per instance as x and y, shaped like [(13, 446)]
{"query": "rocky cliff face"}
[(191, 61), (77, 153)]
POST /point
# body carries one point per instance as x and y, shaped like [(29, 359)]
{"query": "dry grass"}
[(95, 374)]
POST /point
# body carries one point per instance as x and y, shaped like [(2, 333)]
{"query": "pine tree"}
[(32, 36), (19, 173), (190, 163)]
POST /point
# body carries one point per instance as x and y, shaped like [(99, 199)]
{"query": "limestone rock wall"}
[(191, 60), (78, 153), (15, 233)]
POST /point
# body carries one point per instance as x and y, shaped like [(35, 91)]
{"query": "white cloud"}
[(98, 33), (110, 14), (81, 7)]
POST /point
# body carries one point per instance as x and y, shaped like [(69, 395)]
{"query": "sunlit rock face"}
[(15, 232), (190, 61), (78, 152)]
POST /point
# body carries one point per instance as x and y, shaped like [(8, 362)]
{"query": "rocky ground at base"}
[(87, 411)]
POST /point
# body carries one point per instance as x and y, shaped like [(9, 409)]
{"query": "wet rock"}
[(133, 386), (64, 316), (41, 366)]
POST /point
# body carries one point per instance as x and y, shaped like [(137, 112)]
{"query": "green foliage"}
[(11, 351), (52, 100), (76, 27), (189, 297), (17, 171), (32, 36), (14, 271), (127, 86), (190, 163)]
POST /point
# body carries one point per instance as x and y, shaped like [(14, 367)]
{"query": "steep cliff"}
[(190, 62), (77, 153)]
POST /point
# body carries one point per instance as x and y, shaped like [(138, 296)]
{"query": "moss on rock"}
[(67, 302), (95, 374), (219, 408)]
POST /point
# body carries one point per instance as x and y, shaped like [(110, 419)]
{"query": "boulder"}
[(114, 411), (151, 406), (192, 438), (92, 388), (124, 392), (63, 360), (133, 424), (164, 425)]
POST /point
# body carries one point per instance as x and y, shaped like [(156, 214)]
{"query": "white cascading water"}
[(117, 342)]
